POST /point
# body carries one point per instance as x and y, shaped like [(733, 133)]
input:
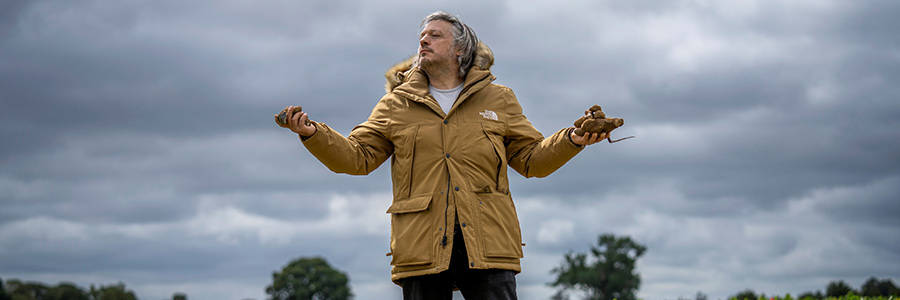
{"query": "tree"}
[(19, 290), (874, 288), (747, 294), (811, 296), (3, 294), (701, 296), (179, 296), (112, 292), (609, 274), (66, 291), (309, 279), (837, 289)]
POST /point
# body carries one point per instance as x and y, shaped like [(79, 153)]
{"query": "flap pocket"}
[(414, 204), (501, 234)]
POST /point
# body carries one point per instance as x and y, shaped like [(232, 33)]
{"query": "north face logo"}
[(489, 114)]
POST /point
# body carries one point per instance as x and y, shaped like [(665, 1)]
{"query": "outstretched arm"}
[(360, 153)]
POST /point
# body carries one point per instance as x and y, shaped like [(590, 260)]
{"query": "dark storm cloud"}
[(790, 145), (101, 115), (160, 68)]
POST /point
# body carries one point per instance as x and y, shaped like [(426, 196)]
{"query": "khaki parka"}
[(447, 168)]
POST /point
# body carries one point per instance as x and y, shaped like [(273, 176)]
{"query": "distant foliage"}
[(850, 296), (3, 294), (15, 289), (701, 296), (837, 288), (309, 279), (811, 296), (19, 290), (112, 292), (747, 294), (66, 291), (872, 289), (609, 272)]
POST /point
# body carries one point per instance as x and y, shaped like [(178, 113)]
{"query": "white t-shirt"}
[(445, 97)]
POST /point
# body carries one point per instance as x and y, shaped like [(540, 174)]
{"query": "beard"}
[(437, 65)]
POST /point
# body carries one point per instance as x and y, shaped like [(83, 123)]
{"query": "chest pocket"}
[(402, 161), (485, 155), (495, 136)]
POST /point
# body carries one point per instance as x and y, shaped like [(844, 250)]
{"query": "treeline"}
[(302, 278), (872, 288), (15, 289)]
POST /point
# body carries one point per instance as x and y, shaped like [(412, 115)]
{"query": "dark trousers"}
[(473, 284)]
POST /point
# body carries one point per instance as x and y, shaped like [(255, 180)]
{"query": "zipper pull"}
[(444, 242)]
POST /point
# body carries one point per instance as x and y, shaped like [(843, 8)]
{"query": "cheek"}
[(450, 51)]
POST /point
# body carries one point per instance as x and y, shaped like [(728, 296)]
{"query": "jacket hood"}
[(396, 75)]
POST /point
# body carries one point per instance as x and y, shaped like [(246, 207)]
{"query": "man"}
[(450, 133)]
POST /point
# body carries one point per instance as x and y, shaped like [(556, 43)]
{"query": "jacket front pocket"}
[(412, 239), (496, 140), (481, 155), (402, 161), (501, 235)]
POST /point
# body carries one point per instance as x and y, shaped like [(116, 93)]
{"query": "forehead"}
[(437, 26)]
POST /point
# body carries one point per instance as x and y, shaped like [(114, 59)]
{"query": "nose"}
[(424, 40)]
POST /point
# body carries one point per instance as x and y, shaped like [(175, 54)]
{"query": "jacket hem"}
[(397, 277)]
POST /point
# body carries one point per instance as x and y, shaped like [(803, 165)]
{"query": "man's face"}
[(436, 46)]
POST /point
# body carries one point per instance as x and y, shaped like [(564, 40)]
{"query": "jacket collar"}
[(411, 82)]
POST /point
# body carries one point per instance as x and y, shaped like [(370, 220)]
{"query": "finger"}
[(291, 121), (587, 138), (287, 116), (304, 120), (295, 120), (580, 139)]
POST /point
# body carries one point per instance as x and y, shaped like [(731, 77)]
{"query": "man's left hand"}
[(588, 138)]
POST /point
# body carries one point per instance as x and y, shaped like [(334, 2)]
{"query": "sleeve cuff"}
[(569, 137), (304, 138)]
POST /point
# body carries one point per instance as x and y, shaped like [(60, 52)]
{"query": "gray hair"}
[(463, 38)]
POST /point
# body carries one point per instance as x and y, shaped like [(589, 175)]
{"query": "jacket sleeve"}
[(528, 152), (366, 148)]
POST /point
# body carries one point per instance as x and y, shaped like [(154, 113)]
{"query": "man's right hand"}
[(299, 123)]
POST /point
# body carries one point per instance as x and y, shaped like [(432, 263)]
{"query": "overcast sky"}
[(137, 142)]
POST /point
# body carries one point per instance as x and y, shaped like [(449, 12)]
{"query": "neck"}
[(445, 83), (443, 78)]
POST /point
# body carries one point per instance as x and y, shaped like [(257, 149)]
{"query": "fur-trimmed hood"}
[(396, 75)]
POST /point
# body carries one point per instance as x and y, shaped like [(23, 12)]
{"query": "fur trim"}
[(396, 74), (484, 59)]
